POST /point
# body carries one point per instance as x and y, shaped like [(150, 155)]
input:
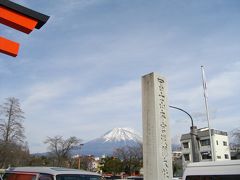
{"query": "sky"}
[(80, 74)]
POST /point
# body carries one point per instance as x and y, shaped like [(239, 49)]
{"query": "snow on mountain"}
[(113, 139), (107, 143), (121, 134)]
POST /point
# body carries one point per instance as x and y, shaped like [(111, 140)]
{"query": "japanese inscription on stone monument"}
[(156, 133)]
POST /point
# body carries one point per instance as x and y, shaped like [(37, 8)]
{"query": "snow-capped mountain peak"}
[(110, 141), (121, 134)]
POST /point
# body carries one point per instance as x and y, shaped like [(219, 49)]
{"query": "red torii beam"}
[(20, 18)]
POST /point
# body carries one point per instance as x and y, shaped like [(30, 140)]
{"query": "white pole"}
[(207, 112)]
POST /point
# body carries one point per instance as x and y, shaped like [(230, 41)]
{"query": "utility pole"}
[(79, 156), (193, 134), (207, 112)]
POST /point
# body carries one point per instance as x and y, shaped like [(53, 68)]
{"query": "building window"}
[(217, 142), (205, 142), (218, 157), (185, 145), (186, 157), (206, 155), (224, 143), (226, 156)]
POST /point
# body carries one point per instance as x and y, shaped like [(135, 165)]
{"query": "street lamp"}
[(80, 147), (193, 134)]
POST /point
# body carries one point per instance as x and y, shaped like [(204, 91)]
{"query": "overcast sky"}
[(80, 75)]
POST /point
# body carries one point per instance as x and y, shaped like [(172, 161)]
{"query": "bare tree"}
[(131, 157), (11, 131), (235, 135), (86, 163), (11, 121), (60, 148)]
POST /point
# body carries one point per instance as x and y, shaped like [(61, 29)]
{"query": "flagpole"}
[(207, 112)]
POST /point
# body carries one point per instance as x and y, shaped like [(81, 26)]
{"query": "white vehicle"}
[(213, 170), (48, 173)]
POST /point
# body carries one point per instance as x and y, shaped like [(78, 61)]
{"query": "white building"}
[(176, 155), (220, 146)]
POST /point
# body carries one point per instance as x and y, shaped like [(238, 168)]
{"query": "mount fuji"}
[(107, 143)]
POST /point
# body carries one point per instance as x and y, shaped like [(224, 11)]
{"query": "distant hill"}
[(107, 143)]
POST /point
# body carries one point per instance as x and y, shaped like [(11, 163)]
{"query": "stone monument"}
[(157, 154)]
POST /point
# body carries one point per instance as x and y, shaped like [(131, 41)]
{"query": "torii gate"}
[(20, 18)]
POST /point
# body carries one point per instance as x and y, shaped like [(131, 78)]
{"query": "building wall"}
[(186, 152), (205, 149), (220, 142), (221, 147)]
